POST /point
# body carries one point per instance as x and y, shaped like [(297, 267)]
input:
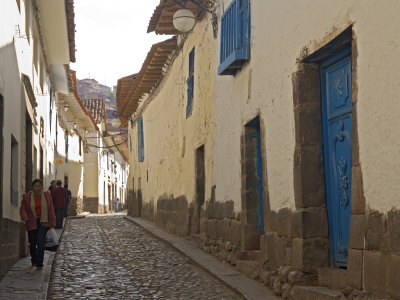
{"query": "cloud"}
[(111, 38)]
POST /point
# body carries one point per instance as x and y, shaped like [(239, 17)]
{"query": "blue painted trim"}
[(255, 123), (235, 37), (331, 210), (140, 139)]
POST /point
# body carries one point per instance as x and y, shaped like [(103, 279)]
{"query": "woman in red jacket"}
[(38, 213)]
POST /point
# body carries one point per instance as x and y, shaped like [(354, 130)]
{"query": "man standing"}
[(116, 202), (59, 196), (67, 199)]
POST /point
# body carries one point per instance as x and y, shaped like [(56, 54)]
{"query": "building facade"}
[(272, 136), (43, 122), (106, 170)]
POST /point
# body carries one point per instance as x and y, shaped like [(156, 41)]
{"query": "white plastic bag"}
[(51, 238)]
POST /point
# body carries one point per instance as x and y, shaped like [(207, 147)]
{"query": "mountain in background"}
[(92, 89)]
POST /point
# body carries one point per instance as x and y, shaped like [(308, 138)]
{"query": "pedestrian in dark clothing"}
[(53, 185), (67, 199), (59, 195), (38, 213)]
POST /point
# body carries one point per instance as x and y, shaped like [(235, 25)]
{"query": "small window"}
[(235, 37), (14, 171), (80, 146), (56, 131), (42, 127), (190, 85), (51, 109), (140, 140), (66, 146)]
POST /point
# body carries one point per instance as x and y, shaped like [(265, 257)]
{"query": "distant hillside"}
[(92, 89)]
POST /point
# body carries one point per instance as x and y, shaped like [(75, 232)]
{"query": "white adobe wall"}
[(280, 30), (16, 57)]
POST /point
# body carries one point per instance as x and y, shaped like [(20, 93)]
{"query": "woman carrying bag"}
[(38, 213)]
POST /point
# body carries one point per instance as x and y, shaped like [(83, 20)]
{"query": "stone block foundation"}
[(13, 243)]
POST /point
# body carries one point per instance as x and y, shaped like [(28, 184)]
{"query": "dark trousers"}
[(66, 208), (59, 217), (37, 239)]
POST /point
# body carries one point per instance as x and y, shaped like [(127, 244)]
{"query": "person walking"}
[(59, 195), (53, 185), (67, 199), (116, 202), (38, 213)]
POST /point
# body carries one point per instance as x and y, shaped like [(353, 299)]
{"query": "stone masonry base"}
[(13, 243)]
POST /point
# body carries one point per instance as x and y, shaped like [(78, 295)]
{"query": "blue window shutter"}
[(190, 84), (140, 140), (235, 37)]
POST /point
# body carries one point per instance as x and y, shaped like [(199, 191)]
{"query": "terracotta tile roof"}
[(72, 88), (161, 21), (149, 76), (97, 108), (123, 87), (69, 9)]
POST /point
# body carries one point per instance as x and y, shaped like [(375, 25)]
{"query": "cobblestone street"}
[(107, 257)]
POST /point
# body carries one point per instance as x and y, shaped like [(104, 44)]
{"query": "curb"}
[(237, 282), (53, 257), (81, 216)]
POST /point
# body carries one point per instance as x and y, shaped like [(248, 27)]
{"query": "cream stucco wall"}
[(16, 57), (99, 173), (280, 30), (171, 139)]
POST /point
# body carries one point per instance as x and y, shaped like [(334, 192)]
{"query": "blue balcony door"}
[(337, 127)]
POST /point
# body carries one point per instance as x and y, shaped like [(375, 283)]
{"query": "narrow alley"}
[(199, 149), (106, 257)]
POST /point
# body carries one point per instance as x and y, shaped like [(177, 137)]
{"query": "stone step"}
[(248, 255), (196, 238), (315, 292), (332, 278), (247, 267)]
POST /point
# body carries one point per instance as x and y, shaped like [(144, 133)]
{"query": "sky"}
[(111, 38)]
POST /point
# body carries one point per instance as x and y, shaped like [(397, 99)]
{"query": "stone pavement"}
[(247, 288), (107, 257), (24, 282)]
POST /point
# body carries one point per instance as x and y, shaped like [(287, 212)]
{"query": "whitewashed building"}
[(106, 170), (36, 45)]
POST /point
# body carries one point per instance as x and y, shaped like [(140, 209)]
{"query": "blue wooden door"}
[(260, 207), (337, 127)]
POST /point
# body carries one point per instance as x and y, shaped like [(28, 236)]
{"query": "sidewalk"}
[(244, 286), (23, 281)]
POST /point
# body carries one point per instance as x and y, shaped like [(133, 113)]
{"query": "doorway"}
[(109, 197), (41, 163), (253, 190), (1, 155), (28, 153), (337, 107), (200, 185)]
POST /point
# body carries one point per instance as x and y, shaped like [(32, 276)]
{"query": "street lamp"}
[(65, 108), (183, 20), (116, 122)]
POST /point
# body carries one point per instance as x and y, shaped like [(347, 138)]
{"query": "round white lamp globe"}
[(116, 122), (184, 20)]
